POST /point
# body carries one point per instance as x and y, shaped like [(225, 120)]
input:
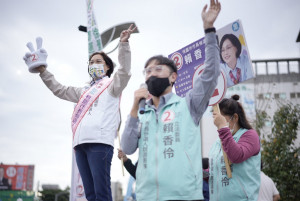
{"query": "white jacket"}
[(100, 123)]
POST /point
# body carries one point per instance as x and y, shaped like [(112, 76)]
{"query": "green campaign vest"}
[(245, 181), (170, 160)]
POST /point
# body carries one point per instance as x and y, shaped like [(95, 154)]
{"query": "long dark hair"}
[(230, 106), (107, 60)]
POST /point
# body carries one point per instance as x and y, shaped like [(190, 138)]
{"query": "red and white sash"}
[(86, 101)]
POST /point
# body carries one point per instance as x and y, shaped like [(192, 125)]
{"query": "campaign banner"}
[(235, 61), (94, 38), (77, 189), (16, 177), (17, 195)]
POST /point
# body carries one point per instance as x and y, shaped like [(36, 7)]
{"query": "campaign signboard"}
[(189, 61), (234, 54), (16, 177)]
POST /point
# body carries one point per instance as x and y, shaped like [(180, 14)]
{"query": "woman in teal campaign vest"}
[(241, 144)]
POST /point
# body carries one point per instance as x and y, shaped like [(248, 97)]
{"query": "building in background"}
[(277, 82)]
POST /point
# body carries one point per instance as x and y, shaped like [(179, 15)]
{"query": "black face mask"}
[(157, 86)]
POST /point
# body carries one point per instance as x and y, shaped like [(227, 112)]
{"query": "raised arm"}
[(123, 74), (36, 62), (198, 97)]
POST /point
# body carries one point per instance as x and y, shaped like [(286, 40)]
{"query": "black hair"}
[(230, 106), (161, 60), (107, 60), (235, 42)]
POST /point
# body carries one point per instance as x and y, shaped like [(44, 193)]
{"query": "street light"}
[(111, 33)]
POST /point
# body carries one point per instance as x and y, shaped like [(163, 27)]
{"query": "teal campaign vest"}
[(170, 160), (245, 181)]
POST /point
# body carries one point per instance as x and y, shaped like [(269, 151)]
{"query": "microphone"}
[(142, 102)]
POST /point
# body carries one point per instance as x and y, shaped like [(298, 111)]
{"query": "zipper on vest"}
[(242, 187), (218, 176), (156, 157), (192, 167)]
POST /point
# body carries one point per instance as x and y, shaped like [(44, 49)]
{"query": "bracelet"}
[(213, 29)]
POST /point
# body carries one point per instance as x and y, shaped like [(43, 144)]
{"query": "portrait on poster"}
[(234, 54)]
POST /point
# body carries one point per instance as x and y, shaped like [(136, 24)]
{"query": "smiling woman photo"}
[(235, 65)]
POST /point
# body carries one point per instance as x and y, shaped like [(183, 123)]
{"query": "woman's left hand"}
[(219, 120), (125, 35)]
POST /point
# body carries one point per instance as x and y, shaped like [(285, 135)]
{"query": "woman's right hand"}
[(125, 35)]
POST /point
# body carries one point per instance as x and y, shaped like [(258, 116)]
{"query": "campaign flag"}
[(94, 37)]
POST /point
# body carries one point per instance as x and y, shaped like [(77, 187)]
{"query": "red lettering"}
[(168, 115)]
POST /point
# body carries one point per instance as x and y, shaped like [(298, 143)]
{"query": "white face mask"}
[(231, 130), (97, 71)]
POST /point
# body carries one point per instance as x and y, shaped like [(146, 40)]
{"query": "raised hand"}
[(219, 120), (210, 16), (125, 35), (36, 59)]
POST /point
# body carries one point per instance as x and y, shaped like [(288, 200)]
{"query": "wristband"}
[(213, 29)]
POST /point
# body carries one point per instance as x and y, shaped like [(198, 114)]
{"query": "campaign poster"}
[(16, 177), (234, 54), (190, 58)]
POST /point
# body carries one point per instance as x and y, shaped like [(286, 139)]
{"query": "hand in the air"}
[(210, 16), (125, 35), (36, 59)]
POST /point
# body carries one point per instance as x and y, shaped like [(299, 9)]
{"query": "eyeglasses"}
[(158, 69), (98, 61), (226, 48)]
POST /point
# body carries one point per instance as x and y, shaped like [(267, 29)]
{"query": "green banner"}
[(15, 195), (94, 38)]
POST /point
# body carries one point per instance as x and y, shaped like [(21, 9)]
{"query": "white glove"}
[(36, 58)]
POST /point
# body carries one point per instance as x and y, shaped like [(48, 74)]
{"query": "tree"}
[(280, 155), (49, 195)]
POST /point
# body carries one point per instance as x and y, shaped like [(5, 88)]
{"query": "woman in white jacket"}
[(96, 117)]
